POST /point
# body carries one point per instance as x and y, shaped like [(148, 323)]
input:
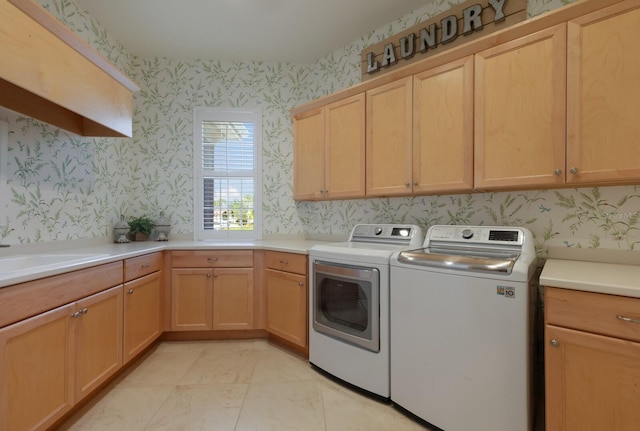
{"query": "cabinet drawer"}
[(34, 297), (593, 312), (288, 262), (212, 259), (136, 267)]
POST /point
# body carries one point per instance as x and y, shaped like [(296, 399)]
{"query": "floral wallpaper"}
[(58, 186)]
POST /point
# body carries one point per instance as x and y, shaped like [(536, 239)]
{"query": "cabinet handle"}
[(76, 315), (574, 170), (84, 310), (215, 275), (557, 172), (300, 284), (212, 259), (627, 319), (208, 275), (415, 183), (145, 265), (130, 292), (284, 262), (407, 184), (554, 343)]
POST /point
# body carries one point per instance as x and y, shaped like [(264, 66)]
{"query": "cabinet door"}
[(345, 148), (308, 152), (98, 342), (36, 362), (287, 306), (592, 381), (141, 314), (443, 128), (191, 299), (520, 104), (389, 136), (603, 96), (233, 298)]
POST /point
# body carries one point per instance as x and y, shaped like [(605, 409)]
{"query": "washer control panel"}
[(503, 235), (386, 233)]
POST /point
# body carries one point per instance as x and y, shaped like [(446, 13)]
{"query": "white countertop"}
[(609, 278), (87, 256)]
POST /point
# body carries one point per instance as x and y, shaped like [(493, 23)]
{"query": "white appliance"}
[(349, 304), (462, 328)]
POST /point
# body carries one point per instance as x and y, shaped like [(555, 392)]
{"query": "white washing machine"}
[(349, 304), (462, 311)]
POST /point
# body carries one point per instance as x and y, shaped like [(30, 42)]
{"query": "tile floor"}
[(231, 385)]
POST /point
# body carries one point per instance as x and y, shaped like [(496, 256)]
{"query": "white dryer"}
[(349, 304)]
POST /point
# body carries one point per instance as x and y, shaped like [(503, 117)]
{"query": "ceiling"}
[(294, 31)]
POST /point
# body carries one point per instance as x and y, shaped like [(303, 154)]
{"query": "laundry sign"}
[(458, 25)]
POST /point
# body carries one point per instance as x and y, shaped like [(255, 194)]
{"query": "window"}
[(227, 173)]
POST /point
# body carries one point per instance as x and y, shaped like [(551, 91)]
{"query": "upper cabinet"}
[(329, 151), (443, 128), (603, 90), (547, 103), (389, 136), (520, 112), (50, 74)]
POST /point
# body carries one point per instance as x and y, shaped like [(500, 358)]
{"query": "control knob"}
[(377, 231), (467, 234)]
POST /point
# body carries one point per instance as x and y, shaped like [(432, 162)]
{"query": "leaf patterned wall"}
[(59, 186)]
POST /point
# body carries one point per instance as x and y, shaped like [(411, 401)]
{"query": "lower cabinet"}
[(232, 298), (52, 360), (592, 361), (286, 290), (217, 297), (142, 323)]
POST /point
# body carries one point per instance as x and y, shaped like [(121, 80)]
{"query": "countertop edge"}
[(111, 252), (606, 278)]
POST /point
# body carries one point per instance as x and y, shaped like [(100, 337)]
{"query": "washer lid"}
[(462, 259)]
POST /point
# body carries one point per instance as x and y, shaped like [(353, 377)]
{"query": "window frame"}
[(253, 115)]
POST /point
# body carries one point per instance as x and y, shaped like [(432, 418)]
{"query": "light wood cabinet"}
[(212, 290), (389, 139), (554, 103), (191, 299), (330, 151), (603, 94), (142, 303), (98, 339), (232, 298), (519, 113), (443, 129), (51, 361), (142, 317), (287, 296), (55, 76), (36, 368), (592, 361)]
